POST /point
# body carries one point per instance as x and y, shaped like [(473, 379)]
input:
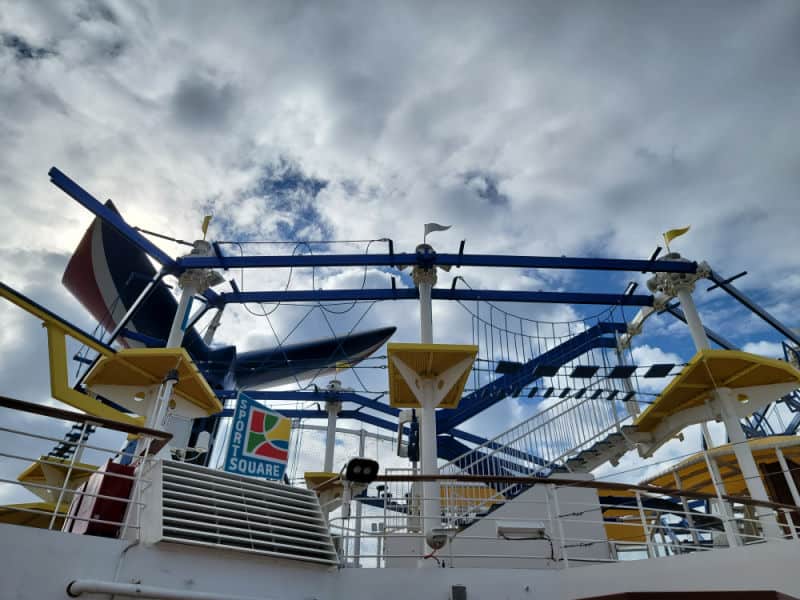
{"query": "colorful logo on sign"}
[(268, 435), (259, 441)]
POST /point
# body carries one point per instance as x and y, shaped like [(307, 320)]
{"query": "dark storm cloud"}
[(23, 50), (200, 102), (486, 186)]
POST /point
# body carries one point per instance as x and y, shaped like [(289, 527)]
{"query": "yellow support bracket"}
[(59, 380), (57, 330)]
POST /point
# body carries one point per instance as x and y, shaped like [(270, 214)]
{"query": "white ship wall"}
[(38, 565), (479, 545)]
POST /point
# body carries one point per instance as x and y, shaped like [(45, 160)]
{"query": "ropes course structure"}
[(585, 360)]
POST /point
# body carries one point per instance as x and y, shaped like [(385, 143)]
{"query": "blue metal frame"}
[(72, 189), (754, 307), (473, 403), (481, 399), (441, 260), (319, 395), (437, 294)]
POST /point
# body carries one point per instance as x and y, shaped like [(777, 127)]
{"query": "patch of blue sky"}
[(287, 197)]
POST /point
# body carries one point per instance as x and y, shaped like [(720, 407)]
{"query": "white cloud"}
[(764, 348), (544, 129)]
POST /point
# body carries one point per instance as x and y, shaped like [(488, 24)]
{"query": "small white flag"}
[(431, 227)]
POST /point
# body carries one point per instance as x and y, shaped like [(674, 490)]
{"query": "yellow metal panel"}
[(711, 369), (460, 496), (23, 514), (427, 361), (9, 295), (34, 472), (317, 478), (627, 526), (144, 367), (59, 381), (694, 475)]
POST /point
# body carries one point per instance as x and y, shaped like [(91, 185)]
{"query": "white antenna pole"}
[(425, 279)]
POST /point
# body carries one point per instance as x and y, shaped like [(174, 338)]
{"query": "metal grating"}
[(211, 508)]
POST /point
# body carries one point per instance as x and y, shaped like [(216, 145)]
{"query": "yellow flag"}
[(342, 365), (206, 221), (673, 233)]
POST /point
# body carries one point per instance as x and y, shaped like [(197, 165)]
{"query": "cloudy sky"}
[(580, 129)]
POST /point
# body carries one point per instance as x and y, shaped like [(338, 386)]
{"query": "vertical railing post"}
[(645, 528), (559, 525), (68, 476), (135, 501), (687, 510), (790, 522), (726, 517), (787, 474)]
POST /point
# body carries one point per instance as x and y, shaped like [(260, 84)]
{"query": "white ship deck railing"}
[(563, 525), (48, 503)]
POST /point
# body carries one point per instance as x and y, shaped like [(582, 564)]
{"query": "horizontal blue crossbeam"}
[(437, 294), (456, 260), (488, 395), (319, 395), (88, 201)]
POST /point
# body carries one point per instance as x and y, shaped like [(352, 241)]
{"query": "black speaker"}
[(458, 592)]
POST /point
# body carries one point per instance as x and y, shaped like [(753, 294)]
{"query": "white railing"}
[(554, 525), (543, 441), (50, 490)]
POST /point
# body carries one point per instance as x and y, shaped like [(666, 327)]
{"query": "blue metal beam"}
[(481, 399), (733, 291), (84, 198), (457, 260), (319, 395), (437, 294)]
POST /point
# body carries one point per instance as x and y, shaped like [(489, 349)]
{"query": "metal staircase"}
[(609, 449), (575, 434)]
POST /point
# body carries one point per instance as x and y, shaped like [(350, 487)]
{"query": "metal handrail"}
[(604, 485), (160, 438), (546, 437)]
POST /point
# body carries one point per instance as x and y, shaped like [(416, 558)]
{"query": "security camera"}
[(437, 538)]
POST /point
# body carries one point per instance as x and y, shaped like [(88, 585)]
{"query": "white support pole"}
[(741, 448), (159, 413), (693, 319), (431, 501), (425, 312), (357, 541), (333, 408), (747, 464), (724, 510), (213, 326), (176, 332)]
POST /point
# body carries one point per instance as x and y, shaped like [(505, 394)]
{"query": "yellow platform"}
[(627, 526), (52, 471), (427, 361), (711, 369), (694, 475), (30, 514), (144, 367), (314, 479), (460, 497)]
